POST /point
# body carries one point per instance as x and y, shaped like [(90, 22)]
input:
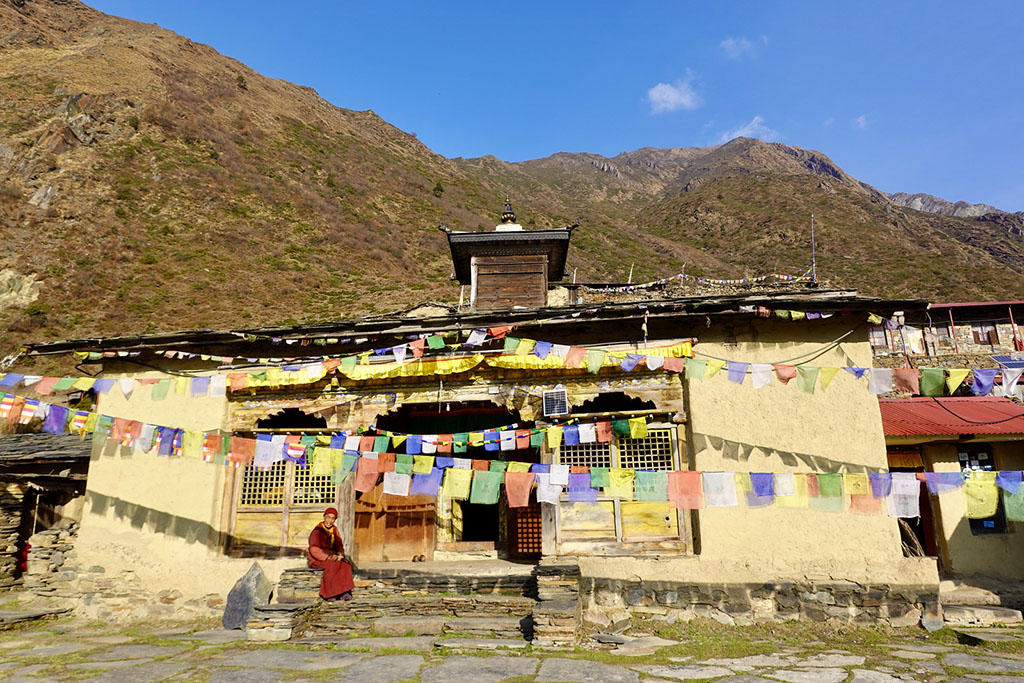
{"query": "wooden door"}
[(393, 528)]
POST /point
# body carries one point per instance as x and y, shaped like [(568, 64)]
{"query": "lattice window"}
[(654, 452), (262, 488), (313, 489), (586, 454)]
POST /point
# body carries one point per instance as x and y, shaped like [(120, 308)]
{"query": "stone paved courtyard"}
[(64, 649)]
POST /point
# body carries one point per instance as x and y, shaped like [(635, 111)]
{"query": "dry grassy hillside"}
[(150, 183)]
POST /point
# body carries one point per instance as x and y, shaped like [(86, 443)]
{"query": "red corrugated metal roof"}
[(976, 303), (951, 415)]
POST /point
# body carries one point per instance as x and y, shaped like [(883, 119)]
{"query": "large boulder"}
[(249, 591)]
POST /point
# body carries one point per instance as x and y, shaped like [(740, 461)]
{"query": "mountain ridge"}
[(150, 183)]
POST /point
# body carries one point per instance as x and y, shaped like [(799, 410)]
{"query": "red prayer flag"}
[(785, 372), (574, 358), (366, 443), (444, 443), (499, 332), (239, 380), (674, 364), (386, 462), (481, 464), (685, 491), (813, 489), (242, 450), (578, 469), (865, 503), (522, 439), (417, 347), (907, 380), (517, 488), (366, 474), (604, 431), (45, 385)]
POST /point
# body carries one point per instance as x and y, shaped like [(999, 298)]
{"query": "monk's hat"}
[(331, 511)]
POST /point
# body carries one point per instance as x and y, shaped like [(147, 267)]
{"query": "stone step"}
[(980, 615)]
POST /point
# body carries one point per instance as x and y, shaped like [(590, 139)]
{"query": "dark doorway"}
[(292, 418), (614, 402)]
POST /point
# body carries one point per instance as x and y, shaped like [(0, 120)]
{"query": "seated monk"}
[(327, 552)]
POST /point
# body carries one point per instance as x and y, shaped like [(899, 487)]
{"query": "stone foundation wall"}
[(54, 572), (744, 604), (12, 503)]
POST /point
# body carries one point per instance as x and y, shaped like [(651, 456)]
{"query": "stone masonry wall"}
[(53, 572), (12, 496), (744, 604)]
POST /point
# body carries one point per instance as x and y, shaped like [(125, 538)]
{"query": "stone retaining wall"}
[(744, 604), (12, 503)]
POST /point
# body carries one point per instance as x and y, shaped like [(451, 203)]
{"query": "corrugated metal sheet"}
[(951, 415)]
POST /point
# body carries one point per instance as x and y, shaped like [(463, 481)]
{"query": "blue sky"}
[(907, 96)]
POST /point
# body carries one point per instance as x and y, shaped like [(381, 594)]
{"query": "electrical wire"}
[(976, 422), (810, 355)]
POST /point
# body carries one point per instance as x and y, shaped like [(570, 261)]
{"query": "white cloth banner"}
[(904, 498), (508, 440), (880, 380), (761, 373), (785, 484), (547, 492), (560, 475), (588, 433), (720, 489), (397, 484)]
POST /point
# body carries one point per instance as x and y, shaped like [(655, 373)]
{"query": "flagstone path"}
[(64, 650)]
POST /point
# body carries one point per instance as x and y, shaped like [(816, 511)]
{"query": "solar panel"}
[(1013, 360)]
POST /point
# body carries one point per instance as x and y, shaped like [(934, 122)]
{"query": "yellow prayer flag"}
[(825, 376), (515, 466), (397, 440), (422, 464), (797, 315), (192, 444), (742, 482), (956, 377), (712, 367), (637, 427), (799, 499), (856, 484), (620, 483), (83, 383), (875, 319), (180, 385), (525, 347), (476, 439), (554, 437), (981, 494), (457, 483), (322, 461)]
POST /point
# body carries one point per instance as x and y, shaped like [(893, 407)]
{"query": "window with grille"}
[(586, 454), (984, 333), (654, 452), (878, 338), (312, 489), (262, 487)]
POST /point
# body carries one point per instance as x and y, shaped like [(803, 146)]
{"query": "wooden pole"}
[(952, 331)]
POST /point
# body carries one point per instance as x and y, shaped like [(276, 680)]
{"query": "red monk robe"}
[(327, 552)]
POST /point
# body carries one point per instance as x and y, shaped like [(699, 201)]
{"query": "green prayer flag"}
[(695, 369), (537, 438), (651, 486), (510, 344), (498, 465), (620, 427), (486, 487), (160, 389), (595, 358), (1013, 504), (932, 381), (460, 442), (830, 485), (806, 377), (64, 383), (435, 342), (827, 503), (308, 439), (599, 477), (403, 464), (348, 363), (222, 453), (380, 444)]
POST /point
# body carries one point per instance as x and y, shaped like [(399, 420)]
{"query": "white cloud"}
[(754, 129), (740, 47), (861, 121), (665, 97)]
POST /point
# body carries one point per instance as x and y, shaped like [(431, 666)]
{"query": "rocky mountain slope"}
[(932, 204), (149, 183)]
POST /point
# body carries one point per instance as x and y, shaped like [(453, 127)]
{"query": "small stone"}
[(268, 635), (869, 676), (908, 654), (688, 672), (593, 616)]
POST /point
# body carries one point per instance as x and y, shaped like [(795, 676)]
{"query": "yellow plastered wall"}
[(739, 429), (999, 556), (160, 517)]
